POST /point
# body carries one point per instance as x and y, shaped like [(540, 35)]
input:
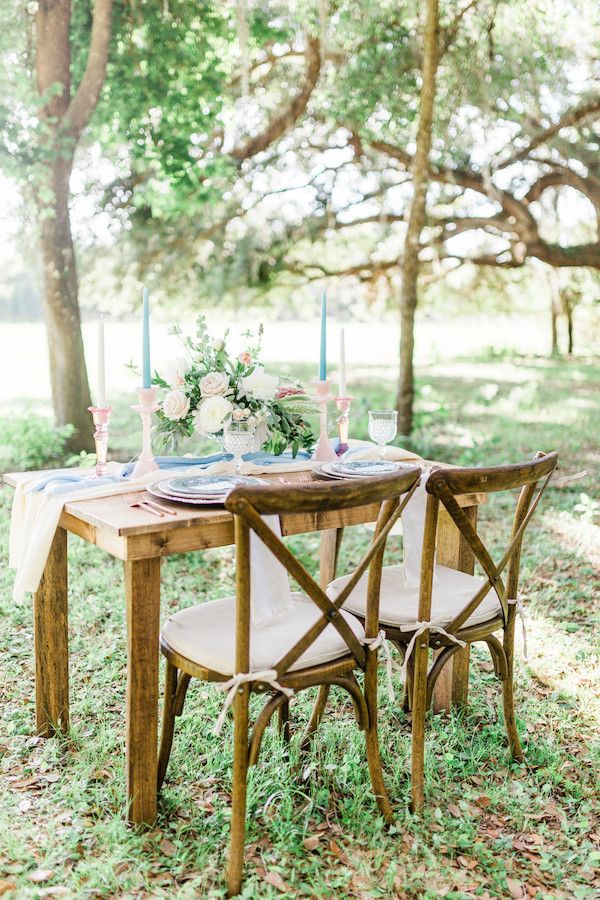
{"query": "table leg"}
[(142, 585), (331, 541), (452, 686), (51, 642)]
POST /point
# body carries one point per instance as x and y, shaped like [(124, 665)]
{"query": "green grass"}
[(487, 819)]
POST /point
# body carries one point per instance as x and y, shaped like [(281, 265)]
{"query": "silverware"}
[(300, 476), (133, 499)]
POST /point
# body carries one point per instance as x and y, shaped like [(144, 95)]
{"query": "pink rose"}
[(245, 358), (214, 384)]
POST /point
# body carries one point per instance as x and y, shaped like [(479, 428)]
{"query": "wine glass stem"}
[(381, 451), (238, 463)]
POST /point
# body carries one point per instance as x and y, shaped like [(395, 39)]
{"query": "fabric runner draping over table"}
[(39, 502)]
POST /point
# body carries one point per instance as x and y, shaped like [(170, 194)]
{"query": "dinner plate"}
[(158, 489), (205, 485), (359, 468)]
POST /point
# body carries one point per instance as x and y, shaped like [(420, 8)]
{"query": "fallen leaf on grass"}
[(25, 806), (466, 862), (121, 867), (276, 881), (168, 847), (483, 801), (312, 842), (515, 888), (41, 875), (57, 890), (6, 886), (454, 810)]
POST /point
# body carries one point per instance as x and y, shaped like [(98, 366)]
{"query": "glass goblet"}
[(238, 438), (383, 427)]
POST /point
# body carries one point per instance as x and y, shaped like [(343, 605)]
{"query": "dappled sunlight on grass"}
[(578, 535)]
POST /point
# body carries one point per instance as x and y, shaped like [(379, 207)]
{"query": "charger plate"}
[(358, 468), (160, 489)]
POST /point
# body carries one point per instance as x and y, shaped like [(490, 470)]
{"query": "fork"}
[(301, 476), (137, 499)]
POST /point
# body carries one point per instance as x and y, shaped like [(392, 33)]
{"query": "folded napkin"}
[(413, 515), (270, 593)]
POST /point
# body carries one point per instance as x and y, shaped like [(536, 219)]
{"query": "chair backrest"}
[(249, 503), (443, 486)]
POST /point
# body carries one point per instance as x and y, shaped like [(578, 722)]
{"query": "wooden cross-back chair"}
[(318, 644), (443, 486), (457, 608)]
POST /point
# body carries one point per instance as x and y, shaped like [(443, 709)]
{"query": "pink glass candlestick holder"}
[(146, 407), (343, 422), (323, 451), (101, 418)]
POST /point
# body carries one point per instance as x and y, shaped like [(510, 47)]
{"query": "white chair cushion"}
[(399, 605), (205, 634)]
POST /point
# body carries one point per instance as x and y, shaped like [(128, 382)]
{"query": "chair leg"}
[(407, 695), (235, 866), (168, 725), (316, 716), (283, 714), (372, 740), (419, 712), (508, 695)]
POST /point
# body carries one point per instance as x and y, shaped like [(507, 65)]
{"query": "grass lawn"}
[(491, 828)]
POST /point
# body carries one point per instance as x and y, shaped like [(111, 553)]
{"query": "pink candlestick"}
[(101, 418), (343, 422), (323, 451), (146, 407)]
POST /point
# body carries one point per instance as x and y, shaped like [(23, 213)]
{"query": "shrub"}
[(31, 442)]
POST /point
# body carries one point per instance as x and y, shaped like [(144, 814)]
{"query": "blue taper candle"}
[(323, 356), (146, 370)]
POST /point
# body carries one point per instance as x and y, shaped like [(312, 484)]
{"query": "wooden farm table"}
[(140, 540)]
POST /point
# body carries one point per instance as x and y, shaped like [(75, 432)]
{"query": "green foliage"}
[(31, 442)]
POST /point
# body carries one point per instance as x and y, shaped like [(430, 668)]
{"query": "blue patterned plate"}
[(205, 485), (359, 468)]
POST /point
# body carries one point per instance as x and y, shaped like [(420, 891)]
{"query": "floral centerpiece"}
[(208, 388)]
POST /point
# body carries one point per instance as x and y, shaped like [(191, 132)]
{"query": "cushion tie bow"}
[(518, 603), (269, 676), (421, 627)]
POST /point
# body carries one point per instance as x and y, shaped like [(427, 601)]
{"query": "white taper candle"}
[(101, 386), (342, 364)]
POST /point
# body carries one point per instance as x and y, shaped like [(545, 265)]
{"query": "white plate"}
[(359, 468), (216, 500), (204, 485)]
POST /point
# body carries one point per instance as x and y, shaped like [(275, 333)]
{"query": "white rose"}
[(260, 385), (209, 416), (176, 405), (215, 384), (218, 345), (239, 414), (176, 371)]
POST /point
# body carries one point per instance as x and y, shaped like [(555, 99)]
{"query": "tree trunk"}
[(68, 376), (567, 306), (554, 309), (416, 220), (65, 118)]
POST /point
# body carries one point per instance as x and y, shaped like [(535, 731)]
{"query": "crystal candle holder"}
[(146, 407), (343, 422), (101, 419), (323, 451)]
